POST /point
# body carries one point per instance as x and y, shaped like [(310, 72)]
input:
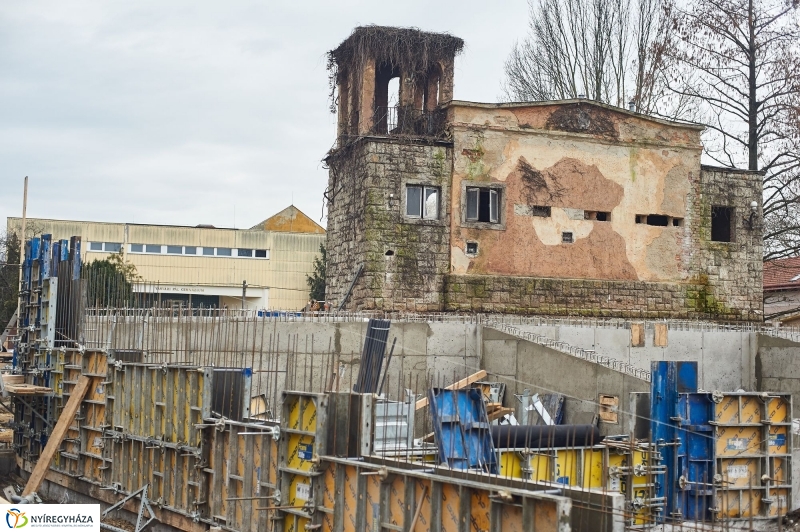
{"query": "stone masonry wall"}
[(405, 260), (729, 275)]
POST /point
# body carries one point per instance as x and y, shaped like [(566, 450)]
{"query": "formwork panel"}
[(451, 508), (329, 498), (753, 452), (397, 502), (373, 502), (422, 487), (480, 506), (510, 518), (350, 488)]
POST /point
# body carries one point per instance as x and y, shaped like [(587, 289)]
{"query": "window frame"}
[(423, 194), (497, 203)]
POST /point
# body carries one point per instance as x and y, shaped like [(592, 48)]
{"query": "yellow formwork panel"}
[(451, 508), (329, 497), (740, 472), (780, 502), (778, 410), (480, 506), (780, 470), (350, 497), (778, 439), (593, 470), (373, 502), (641, 488), (510, 464), (397, 502), (295, 523), (726, 411), (423, 523), (511, 518), (566, 466), (739, 503), (740, 440), (298, 491), (542, 467), (300, 450)]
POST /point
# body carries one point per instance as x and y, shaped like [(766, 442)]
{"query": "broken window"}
[(422, 202), (721, 224), (483, 205), (472, 248), (600, 216), (541, 211), (567, 238)]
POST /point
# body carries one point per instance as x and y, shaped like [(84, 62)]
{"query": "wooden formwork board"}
[(160, 401)]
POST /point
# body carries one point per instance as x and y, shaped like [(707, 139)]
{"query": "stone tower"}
[(388, 187)]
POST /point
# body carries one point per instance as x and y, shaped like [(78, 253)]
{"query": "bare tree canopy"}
[(739, 60), (612, 51)]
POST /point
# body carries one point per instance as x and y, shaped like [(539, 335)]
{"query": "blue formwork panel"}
[(462, 429), (667, 381), (695, 493)]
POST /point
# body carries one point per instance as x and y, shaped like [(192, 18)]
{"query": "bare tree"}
[(612, 51), (745, 67)]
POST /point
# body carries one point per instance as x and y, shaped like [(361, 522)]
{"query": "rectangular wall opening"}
[(540, 210), (598, 216), (721, 224)]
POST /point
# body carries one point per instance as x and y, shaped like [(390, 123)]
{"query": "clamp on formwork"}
[(144, 505)]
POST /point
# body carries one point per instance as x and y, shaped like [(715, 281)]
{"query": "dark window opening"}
[(566, 237), (722, 224), (657, 220), (190, 250), (261, 253), (224, 252), (472, 248), (244, 252), (677, 222), (541, 210), (483, 205), (597, 215)]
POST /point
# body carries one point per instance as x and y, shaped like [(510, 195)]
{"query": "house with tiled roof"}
[(782, 291)]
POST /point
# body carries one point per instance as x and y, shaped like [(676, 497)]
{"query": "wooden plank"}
[(463, 383), (660, 337), (60, 430)]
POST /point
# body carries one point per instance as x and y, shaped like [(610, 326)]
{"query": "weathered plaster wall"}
[(405, 260), (579, 157), (574, 158)]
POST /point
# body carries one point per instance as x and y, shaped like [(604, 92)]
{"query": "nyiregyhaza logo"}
[(16, 518), (51, 517)]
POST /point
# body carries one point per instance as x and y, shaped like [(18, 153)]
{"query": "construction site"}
[(538, 323)]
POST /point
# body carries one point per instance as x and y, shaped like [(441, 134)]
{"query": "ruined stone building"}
[(564, 207)]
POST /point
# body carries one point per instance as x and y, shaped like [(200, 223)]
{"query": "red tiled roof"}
[(782, 274)]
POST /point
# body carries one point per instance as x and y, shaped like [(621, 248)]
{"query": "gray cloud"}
[(178, 112)]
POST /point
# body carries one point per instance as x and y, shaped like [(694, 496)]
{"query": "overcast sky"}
[(186, 111)]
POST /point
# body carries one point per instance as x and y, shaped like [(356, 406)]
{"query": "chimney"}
[(631, 105)]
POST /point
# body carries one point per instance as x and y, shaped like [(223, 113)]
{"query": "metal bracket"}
[(141, 524)]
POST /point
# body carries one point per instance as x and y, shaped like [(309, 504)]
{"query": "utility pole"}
[(22, 251), (244, 292)]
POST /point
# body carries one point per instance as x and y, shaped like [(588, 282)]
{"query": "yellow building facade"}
[(204, 265)]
